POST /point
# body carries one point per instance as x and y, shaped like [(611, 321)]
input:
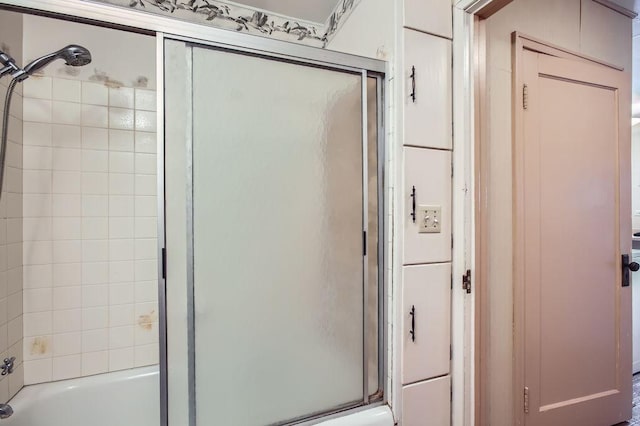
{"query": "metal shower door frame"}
[(356, 66)]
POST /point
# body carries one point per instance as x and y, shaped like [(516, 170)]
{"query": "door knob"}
[(626, 267)]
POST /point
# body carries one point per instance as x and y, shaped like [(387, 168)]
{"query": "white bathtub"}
[(123, 398)]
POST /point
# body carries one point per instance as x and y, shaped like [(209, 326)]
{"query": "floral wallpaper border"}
[(231, 16)]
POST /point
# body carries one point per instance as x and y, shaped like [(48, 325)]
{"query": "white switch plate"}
[(429, 219)]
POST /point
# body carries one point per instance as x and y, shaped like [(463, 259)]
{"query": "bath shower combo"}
[(73, 55)]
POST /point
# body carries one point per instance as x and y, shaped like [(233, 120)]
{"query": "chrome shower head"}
[(73, 55)]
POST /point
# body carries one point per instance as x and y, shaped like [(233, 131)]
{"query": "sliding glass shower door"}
[(281, 190)]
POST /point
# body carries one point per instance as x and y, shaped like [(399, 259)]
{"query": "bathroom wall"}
[(90, 227), (11, 218)]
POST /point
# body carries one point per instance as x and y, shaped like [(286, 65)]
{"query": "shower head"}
[(73, 55)]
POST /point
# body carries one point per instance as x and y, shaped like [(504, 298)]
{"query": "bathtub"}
[(126, 398)]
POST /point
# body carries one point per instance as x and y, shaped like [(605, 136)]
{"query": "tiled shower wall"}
[(11, 218), (90, 227)]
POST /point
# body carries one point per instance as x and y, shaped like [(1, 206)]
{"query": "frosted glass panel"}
[(278, 267)]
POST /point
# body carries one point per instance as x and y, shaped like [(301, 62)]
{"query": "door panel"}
[(427, 295), (427, 403), (428, 118), (431, 16), (429, 171), (572, 206)]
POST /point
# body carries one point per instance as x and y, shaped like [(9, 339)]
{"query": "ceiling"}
[(309, 10)]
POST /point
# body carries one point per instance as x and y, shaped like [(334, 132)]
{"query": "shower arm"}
[(9, 63)]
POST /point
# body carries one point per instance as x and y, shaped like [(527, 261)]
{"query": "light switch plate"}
[(429, 219)]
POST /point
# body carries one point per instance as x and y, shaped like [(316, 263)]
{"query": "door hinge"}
[(466, 281), (164, 263), (450, 352), (526, 400), (525, 96)]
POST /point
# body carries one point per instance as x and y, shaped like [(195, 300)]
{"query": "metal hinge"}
[(450, 352), (525, 97), (466, 281), (526, 400)]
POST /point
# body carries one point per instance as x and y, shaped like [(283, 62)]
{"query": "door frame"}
[(469, 315), (522, 43)]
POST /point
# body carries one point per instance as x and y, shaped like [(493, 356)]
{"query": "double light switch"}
[(429, 219)]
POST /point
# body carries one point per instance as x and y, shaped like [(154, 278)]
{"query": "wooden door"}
[(572, 223)]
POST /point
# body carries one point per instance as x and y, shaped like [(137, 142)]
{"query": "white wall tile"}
[(65, 113), (146, 227), (95, 228), (36, 205), (66, 182), (37, 87), (67, 274), (37, 371), (95, 160), (37, 181), (121, 206), (121, 162), (122, 294), (67, 251), (145, 185), (95, 273), (67, 298), (146, 99), (65, 136), (146, 249), (37, 300), (121, 227), (66, 367), (95, 116), (95, 363), (66, 205), (146, 270), (122, 271), (95, 295), (38, 110), (67, 320), (146, 355), (95, 251), (67, 344), (37, 134), (121, 97), (146, 121), (120, 316), (37, 229), (66, 159), (146, 142), (95, 340), (94, 93), (37, 157), (37, 323), (121, 337), (146, 164), (121, 249), (37, 252), (95, 183), (66, 90), (146, 205), (94, 318), (95, 205), (66, 228), (121, 140), (37, 276), (121, 118), (121, 184), (146, 291), (95, 138), (121, 359)]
